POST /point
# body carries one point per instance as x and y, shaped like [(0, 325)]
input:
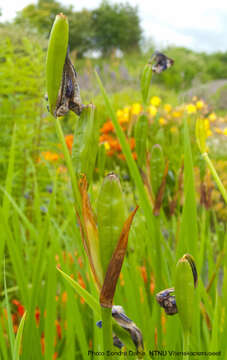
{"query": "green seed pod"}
[(157, 166), (185, 282), (56, 53), (85, 144), (145, 82), (141, 133), (111, 215)]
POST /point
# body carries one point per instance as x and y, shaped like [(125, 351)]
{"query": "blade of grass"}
[(51, 290), (17, 345), (89, 299), (9, 318)]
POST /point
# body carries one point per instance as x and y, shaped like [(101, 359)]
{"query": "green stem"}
[(216, 177), (186, 343), (107, 331), (74, 181)]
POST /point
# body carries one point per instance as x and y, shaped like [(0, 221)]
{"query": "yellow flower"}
[(199, 104), (119, 113), (212, 117), (191, 109), (224, 132), (206, 124), (136, 108), (162, 121), (152, 110), (176, 114), (209, 133), (167, 108), (217, 130), (126, 110), (123, 115), (107, 146), (155, 101)]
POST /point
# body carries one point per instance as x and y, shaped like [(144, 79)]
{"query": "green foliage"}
[(81, 32), (116, 26), (41, 15)]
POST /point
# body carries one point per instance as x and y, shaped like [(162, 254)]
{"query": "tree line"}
[(104, 29)]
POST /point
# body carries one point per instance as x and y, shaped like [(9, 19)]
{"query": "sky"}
[(196, 24)]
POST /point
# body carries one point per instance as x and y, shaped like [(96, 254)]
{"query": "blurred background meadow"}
[(39, 228)]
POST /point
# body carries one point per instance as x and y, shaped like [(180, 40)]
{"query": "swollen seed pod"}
[(157, 166), (56, 54), (141, 133), (111, 215), (185, 282), (85, 144)]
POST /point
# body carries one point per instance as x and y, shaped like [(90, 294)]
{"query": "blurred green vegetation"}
[(38, 226)]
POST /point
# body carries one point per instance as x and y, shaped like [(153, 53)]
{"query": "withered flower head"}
[(161, 62)]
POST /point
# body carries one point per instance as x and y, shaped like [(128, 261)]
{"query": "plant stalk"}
[(107, 331), (74, 180), (216, 177), (186, 343)]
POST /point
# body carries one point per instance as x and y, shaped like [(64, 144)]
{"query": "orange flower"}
[(37, 316), (81, 281), (20, 308), (80, 262), (114, 144), (110, 153), (82, 284), (107, 127), (152, 284), (69, 141), (163, 322), (122, 282), (42, 340), (132, 143), (143, 271), (58, 329), (64, 297), (121, 156), (15, 328), (104, 137), (50, 156)]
